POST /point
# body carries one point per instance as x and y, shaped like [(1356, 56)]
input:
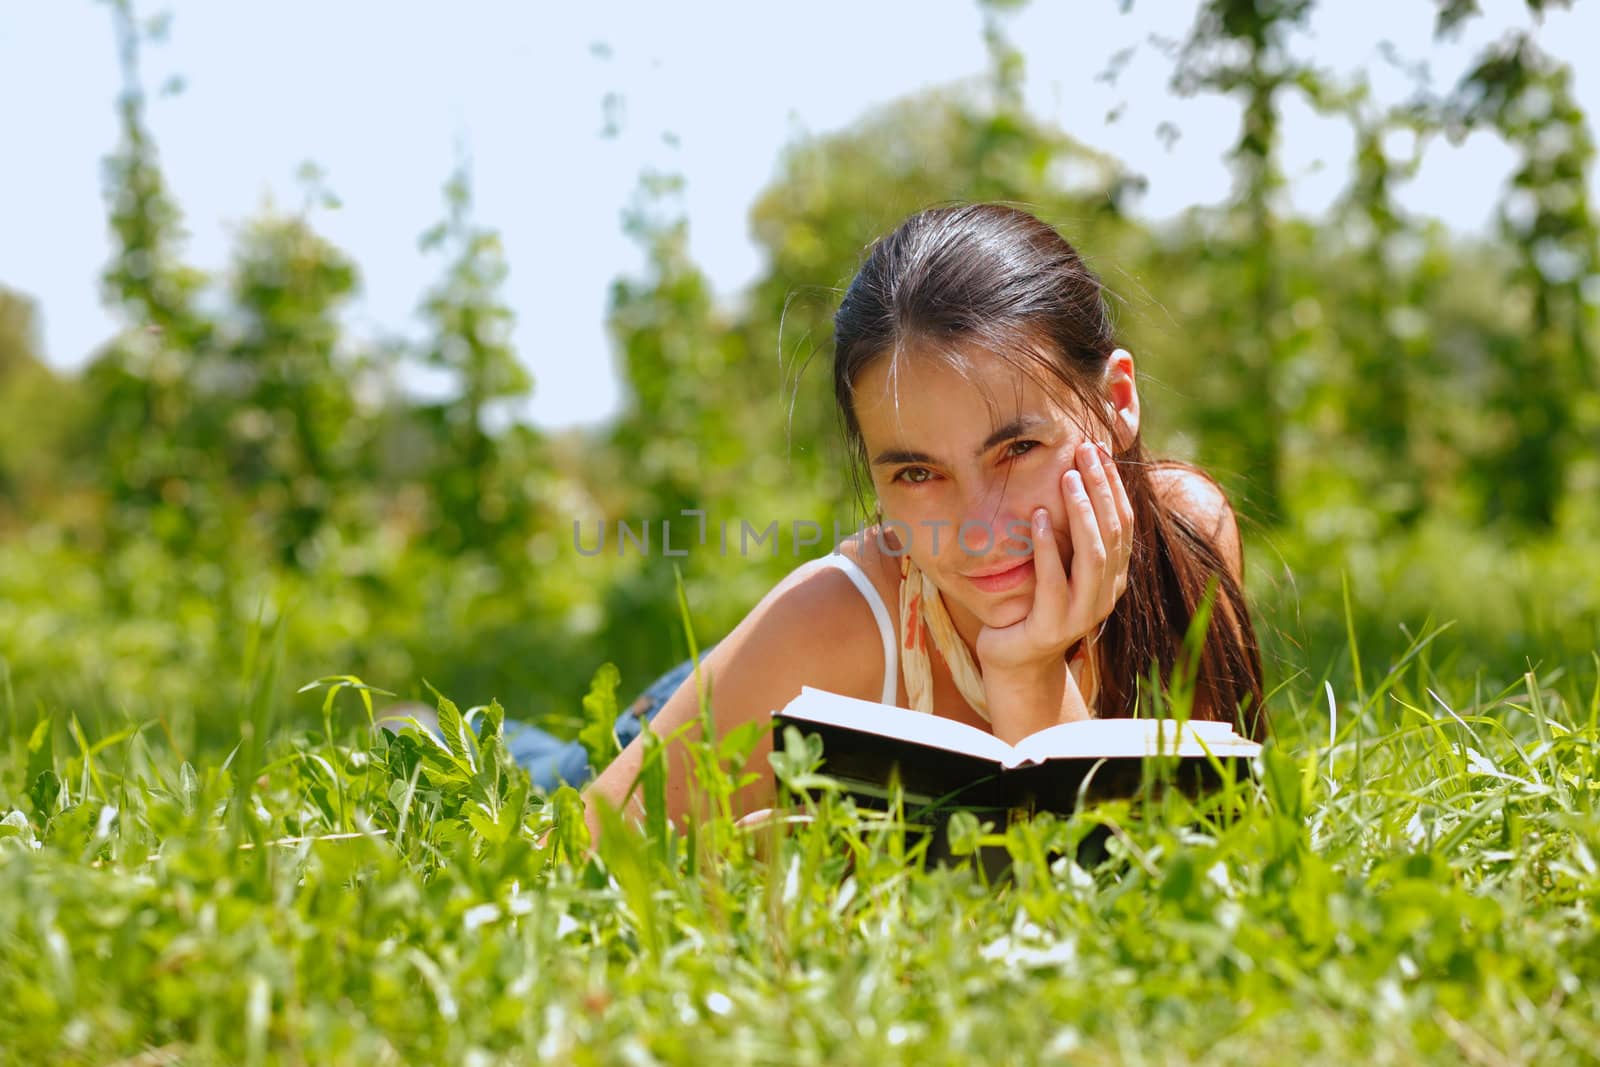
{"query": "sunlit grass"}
[(1411, 876)]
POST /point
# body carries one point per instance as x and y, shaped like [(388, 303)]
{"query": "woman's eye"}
[(913, 475), (1017, 448)]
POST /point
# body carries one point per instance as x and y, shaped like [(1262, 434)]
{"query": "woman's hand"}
[(1065, 610)]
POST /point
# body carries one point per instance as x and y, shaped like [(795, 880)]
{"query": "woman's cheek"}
[(932, 533)]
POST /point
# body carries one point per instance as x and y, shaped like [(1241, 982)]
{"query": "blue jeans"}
[(553, 762)]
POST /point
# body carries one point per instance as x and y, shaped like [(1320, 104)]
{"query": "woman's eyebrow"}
[(1015, 428)]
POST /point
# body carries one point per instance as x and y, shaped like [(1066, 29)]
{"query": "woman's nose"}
[(995, 515)]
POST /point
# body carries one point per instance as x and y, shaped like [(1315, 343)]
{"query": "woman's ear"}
[(1122, 397)]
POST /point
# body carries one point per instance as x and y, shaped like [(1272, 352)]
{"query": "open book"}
[(865, 743)]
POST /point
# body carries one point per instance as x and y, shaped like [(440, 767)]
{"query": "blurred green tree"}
[(1546, 386), (470, 340), (1239, 48), (148, 441), (280, 382), (1378, 341), (19, 333), (38, 412)]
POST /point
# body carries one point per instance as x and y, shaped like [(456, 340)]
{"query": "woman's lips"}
[(999, 583)]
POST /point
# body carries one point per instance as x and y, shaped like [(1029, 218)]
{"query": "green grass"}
[(201, 863), (1413, 877)]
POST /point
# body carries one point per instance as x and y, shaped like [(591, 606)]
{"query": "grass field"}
[(1411, 878)]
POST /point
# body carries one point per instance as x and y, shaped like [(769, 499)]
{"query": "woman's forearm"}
[(1024, 702)]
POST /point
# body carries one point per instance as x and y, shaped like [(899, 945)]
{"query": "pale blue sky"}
[(380, 94)]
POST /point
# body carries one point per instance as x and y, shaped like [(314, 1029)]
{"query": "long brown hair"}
[(997, 279)]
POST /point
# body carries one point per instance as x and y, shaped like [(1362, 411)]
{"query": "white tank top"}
[(891, 653)]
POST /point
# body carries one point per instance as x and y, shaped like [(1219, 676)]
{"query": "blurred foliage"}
[(1239, 48), (471, 331), (1526, 96), (1394, 409), (38, 409)]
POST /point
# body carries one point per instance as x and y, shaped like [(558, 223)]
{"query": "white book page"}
[(1098, 738), (1089, 739), (885, 720)]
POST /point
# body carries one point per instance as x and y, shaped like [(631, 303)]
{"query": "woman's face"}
[(960, 463)]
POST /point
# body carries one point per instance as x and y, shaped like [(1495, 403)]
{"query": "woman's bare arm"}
[(813, 628)]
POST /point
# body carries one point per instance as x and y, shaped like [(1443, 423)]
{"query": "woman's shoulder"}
[(877, 552), (816, 615), (1201, 500)]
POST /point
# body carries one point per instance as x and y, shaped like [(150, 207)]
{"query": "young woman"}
[(1031, 561)]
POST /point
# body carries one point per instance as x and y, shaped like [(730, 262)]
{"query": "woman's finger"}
[(1110, 525), (1120, 492), (1097, 479), (1049, 576), (1119, 549), (1125, 510), (1088, 550)]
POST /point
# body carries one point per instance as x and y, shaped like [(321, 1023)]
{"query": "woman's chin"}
[(1007, 614)]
